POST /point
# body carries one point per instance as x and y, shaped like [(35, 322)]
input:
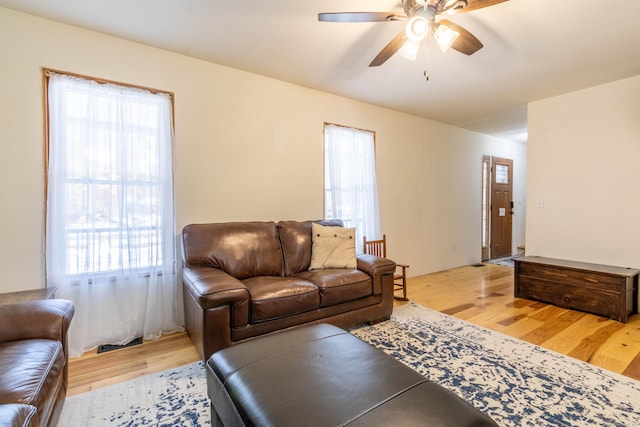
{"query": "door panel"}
[(501, 207)]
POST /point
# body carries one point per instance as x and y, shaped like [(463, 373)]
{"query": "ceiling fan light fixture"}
[(445, 37), (409, 50), (417, 28)]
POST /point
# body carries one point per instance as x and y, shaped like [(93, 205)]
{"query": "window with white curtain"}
[(351, 193), (110, 230)]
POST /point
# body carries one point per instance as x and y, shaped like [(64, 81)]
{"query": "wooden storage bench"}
[(599, 289)]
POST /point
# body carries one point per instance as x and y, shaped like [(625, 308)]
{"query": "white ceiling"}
[(533, 49)]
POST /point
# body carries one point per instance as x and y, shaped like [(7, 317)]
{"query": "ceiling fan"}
[(421, 16)]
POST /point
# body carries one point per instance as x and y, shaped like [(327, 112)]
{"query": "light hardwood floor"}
[(480, 295)]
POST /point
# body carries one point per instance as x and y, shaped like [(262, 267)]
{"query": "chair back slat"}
[(375, 247)]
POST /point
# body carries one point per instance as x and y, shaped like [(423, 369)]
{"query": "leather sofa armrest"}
[(381, 271), (17, 414), (375, 266), (39, 319), (211, 287)]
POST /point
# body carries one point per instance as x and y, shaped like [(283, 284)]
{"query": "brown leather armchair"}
[(33, 361)]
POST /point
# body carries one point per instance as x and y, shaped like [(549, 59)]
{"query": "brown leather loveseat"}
[(33, 361), (245, 279)]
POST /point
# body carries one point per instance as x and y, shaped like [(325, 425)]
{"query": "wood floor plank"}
[(591, 343), (521, 328), (569, 339), (513, 319), (92, 370), (620, 349), (486, 318), (633, 369), (457, 309)]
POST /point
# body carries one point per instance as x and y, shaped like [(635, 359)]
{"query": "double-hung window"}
[(110, 231), (351, 193)]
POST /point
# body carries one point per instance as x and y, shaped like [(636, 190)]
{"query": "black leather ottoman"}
[(321, 375)]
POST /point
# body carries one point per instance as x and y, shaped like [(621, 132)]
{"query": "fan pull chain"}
[(426, 61)]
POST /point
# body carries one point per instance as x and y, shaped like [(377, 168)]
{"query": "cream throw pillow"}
[(333, 247)]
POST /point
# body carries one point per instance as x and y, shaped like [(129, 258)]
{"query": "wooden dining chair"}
[(379, 248)]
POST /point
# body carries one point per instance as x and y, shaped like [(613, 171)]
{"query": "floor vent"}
[(109, 347), (477, 265)]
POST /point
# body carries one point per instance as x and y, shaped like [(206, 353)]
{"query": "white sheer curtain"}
[(110, 240), (351, 192)]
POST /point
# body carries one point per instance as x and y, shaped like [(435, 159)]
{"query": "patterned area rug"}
[(176, 397), (518, 384), (507, 262)]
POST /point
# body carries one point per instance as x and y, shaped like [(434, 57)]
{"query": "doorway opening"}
[(497, 207)]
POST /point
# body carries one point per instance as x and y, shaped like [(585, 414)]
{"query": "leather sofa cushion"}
[(338, 285), (240, 249), (295, 237), (274, 297), (32, 372)]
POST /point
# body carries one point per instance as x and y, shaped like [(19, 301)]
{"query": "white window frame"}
[(105, 240), (110, 241)]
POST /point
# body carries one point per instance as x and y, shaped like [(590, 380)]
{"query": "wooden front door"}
[(501, 207)]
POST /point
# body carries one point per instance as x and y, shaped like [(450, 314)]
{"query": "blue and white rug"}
[(516, 383), (507, 261), (176, 397)]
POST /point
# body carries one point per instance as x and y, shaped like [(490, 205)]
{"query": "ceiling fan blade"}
[(360, 17), (387, 52), (477, 4), (466, 43)]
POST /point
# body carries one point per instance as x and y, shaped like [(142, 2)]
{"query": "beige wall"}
[(247, 148), (583, 195)]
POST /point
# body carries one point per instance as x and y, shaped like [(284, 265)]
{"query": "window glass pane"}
[(110, 176), (485, 203), (502, 174)]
